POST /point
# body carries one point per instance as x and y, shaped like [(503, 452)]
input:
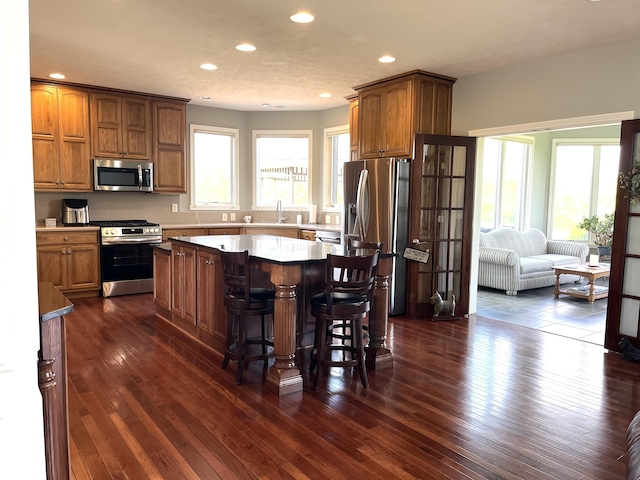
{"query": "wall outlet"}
[(327, 219), (224, 217), (337, 219), (233, 217), (174, 207)]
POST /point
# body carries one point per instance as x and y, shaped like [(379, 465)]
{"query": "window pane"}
[(608, 179), (340, 153), (513, 169), (490, 172), (572, 190), (213, 159), (282, 165)]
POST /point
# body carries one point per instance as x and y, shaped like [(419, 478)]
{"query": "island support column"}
[(284, 377), (377, 354)]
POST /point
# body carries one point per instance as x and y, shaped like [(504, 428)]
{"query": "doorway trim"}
[(549, 125)]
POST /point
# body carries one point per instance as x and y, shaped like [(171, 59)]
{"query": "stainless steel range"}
[(126, 255)]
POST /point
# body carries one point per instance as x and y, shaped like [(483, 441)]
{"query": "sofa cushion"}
[(527, 243), (557, 260), (533, 265)]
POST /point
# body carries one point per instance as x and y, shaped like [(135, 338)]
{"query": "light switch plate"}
[(327, 219), (174, 207), (233, 217), (224, 217)]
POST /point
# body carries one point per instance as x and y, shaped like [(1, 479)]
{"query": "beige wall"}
[(590, 82)]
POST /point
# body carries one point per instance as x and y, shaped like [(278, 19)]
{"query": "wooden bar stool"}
[(247, 305), (347, 300)]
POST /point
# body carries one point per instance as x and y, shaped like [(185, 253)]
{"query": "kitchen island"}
[(295, 267)]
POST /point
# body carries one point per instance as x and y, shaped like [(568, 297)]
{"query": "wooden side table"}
[(591, 292)]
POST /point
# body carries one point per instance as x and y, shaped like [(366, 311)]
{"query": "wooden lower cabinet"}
[(183, 285), (69, 260), (168, 233), (291, 232), (211, 313), (308, 235), (162, 278)]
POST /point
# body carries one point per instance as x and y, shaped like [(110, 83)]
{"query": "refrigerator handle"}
[(360, 207)]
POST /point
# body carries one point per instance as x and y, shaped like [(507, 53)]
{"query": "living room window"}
[(505, 182), (584, 183), (337, 150), (214, 167), (282, 162)]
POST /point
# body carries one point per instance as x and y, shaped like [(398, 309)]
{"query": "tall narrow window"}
[(505, 183), (214, 166), (585, 176), (337, 150), (282, 160)]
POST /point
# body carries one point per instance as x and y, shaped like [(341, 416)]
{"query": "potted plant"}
[(602, 230)]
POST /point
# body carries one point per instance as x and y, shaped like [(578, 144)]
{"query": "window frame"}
[(527, 174), (327, 167), (255, 134), (595, 176), (235, 134)]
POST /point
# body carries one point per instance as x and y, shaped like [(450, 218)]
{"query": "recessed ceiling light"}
[(265, 105), (387, 59), (246, 47), (205, 97), (57, 76), (302, 17), (325, 95), (208, 66)]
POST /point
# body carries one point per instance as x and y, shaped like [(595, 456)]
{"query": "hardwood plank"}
[(471, 399)]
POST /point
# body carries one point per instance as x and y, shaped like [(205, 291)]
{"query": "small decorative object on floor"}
[(443, 306), (629, 352)]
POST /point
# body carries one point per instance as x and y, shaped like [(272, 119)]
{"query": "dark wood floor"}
[(471, 399)]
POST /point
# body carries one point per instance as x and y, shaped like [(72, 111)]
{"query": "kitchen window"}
[(337, 150), (282, 161), (584, 183), (214, 167)]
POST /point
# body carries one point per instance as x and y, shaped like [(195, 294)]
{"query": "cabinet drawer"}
[(225, 231), (183, 232), (64, 238)]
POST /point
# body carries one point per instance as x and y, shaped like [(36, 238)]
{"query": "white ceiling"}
[(156, 46)]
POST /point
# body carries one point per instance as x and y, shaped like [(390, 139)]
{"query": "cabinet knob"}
[(66, 239)]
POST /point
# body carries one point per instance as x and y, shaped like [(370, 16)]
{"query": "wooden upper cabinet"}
[(120, 126), (393, 110), (169, 131), (353, 126), (60, 136)]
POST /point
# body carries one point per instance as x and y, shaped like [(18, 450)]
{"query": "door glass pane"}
[(633, 236), (457, 192), (456, 218), (445, 159), (629, 311), (631, 281), (443, 225), (428, 224), (430, 163), (429, 191), (459, 161), (444, 192)]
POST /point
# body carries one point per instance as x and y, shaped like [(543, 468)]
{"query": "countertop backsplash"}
[(156, 208)]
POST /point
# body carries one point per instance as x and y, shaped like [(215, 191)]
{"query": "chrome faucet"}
[(281, 217)]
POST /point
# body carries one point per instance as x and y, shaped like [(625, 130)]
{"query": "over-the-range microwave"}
[(122, 175)]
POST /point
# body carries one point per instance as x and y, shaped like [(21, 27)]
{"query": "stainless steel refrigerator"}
[(376, 209)]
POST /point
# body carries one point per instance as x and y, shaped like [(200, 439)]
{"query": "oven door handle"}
[(130, 241)]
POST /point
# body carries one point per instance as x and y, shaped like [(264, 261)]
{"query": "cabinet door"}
[(44, 128), (169, 127), (190, 284), (162, 279), (75, 158), (136, 128), (83, 267), (177, 283), (369, 130), (396, 123), (52, 265), (106, 121), (204, 291), (434, 106)]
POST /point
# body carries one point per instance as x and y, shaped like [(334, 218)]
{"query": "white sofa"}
[(513, 260)]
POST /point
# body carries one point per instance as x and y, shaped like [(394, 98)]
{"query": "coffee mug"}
[(247, 219)]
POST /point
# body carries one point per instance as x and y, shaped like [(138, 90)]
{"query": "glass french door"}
[(441, 222), (623, 309)]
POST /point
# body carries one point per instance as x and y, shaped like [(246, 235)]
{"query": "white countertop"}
[(305, 226)]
